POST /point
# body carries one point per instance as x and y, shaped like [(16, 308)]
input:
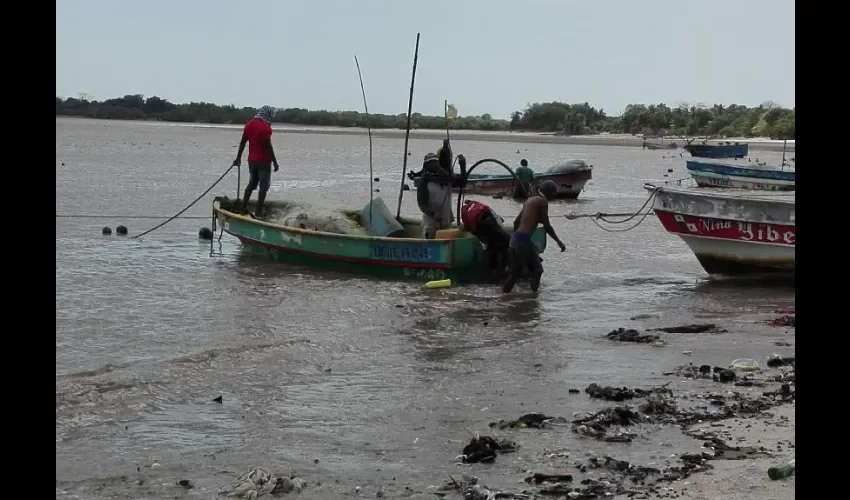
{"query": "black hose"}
[(479, 162)]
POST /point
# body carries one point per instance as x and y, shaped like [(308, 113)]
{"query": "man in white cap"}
[(434, 194)]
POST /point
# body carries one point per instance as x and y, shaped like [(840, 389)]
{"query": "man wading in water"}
[(523, 253), (258, 135)]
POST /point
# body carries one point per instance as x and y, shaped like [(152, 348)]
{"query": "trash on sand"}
[(782, 471), (258, 482), (786, 320), (438, 284), (776, 360), (598, 424), (484, 448), (621, 393), (530, 420), (745, 365), (631, 335), (695, 328)]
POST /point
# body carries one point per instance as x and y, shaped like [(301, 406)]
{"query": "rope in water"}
[(190, 205), (92, 216), (601, 216)]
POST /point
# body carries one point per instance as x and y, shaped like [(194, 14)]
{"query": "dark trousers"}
[(259, 174), (523, 256)]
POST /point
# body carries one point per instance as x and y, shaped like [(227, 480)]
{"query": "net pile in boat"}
[(311, 217)]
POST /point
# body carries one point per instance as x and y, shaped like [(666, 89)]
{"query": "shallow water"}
[(375, 380)]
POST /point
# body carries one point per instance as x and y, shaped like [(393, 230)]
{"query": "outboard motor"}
[(487, 226)]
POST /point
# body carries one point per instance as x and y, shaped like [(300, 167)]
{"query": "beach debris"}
[(694, 328), (186, 484), (219, 399), (530, 420), (785, 320), (631, 335), (609, 393), (782, 471), (607, 424), (484, 448), (745, 365), (254, 483), (776, 360)]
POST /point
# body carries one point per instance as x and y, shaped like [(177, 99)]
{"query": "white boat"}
[(749, 176), (731, 232)]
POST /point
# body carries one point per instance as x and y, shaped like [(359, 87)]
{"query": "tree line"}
[(735, 120)]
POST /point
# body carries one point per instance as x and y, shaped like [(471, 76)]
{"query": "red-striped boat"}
[(731, 232)]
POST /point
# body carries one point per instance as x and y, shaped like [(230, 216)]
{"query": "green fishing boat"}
[(404, 254)]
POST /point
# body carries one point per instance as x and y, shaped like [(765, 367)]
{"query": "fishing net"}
[(311, 217)]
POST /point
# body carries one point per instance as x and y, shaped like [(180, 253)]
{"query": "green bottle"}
[(782, 470)]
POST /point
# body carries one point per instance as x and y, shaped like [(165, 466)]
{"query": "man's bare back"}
[(534, 211)]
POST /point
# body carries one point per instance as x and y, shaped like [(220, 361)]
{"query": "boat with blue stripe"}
[(728, 150), (750, 176)]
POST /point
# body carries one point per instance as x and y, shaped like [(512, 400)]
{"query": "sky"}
[(483, 56)]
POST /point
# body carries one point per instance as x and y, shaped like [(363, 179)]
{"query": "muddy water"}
[(346, 381)]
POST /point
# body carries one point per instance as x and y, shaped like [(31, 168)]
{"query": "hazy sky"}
[(484, 56)]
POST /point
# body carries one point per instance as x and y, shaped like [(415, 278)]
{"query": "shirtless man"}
[(523, 253)]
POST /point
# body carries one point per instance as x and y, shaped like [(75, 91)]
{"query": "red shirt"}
[(258, 133)]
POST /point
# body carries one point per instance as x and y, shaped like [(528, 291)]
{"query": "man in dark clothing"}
[(433, 193), (258, 135)]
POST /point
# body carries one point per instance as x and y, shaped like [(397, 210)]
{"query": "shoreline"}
[(617, 140)]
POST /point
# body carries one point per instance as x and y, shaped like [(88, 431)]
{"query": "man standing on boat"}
[(434, 194), (523, 252), (525, 176), (258, 135)]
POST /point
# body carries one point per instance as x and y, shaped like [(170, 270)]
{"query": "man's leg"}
[(535, 267), (253, 180), (516, 270), (264, 174)]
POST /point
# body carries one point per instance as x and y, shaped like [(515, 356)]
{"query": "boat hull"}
[(733, 176), (718, 150), (569, 184), (731, 236), (462, 259)]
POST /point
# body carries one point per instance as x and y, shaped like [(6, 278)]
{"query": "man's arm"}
[(544, 219), (516, 221), (270, 150), (241, 150)]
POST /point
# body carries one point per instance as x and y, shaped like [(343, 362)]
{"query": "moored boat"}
[(731, 233), (719, 150), (455, 254), (749, 176), (570, 176)]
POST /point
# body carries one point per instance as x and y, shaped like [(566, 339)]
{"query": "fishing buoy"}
[(107, 231), (122, 230), (205, 233), (438, 284), (670, 170), (377, 179)]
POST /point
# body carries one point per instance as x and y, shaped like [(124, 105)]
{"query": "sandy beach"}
[(622, 140)]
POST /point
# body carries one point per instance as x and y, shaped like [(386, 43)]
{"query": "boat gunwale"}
[(496, 177), (778, 197), (298, 230)]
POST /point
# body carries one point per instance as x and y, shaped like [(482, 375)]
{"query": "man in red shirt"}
[(258, 135)]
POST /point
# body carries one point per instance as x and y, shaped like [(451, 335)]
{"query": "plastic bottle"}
[(745, 365), (782, 471), (439, 284)]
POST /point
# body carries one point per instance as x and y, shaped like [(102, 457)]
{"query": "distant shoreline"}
[(621, 140)]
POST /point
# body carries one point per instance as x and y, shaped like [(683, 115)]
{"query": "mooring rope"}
[(190, 205), (602, 216), (92, 216)]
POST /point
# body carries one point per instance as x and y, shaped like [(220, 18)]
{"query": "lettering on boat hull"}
[(775, 234), (425, 253)]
